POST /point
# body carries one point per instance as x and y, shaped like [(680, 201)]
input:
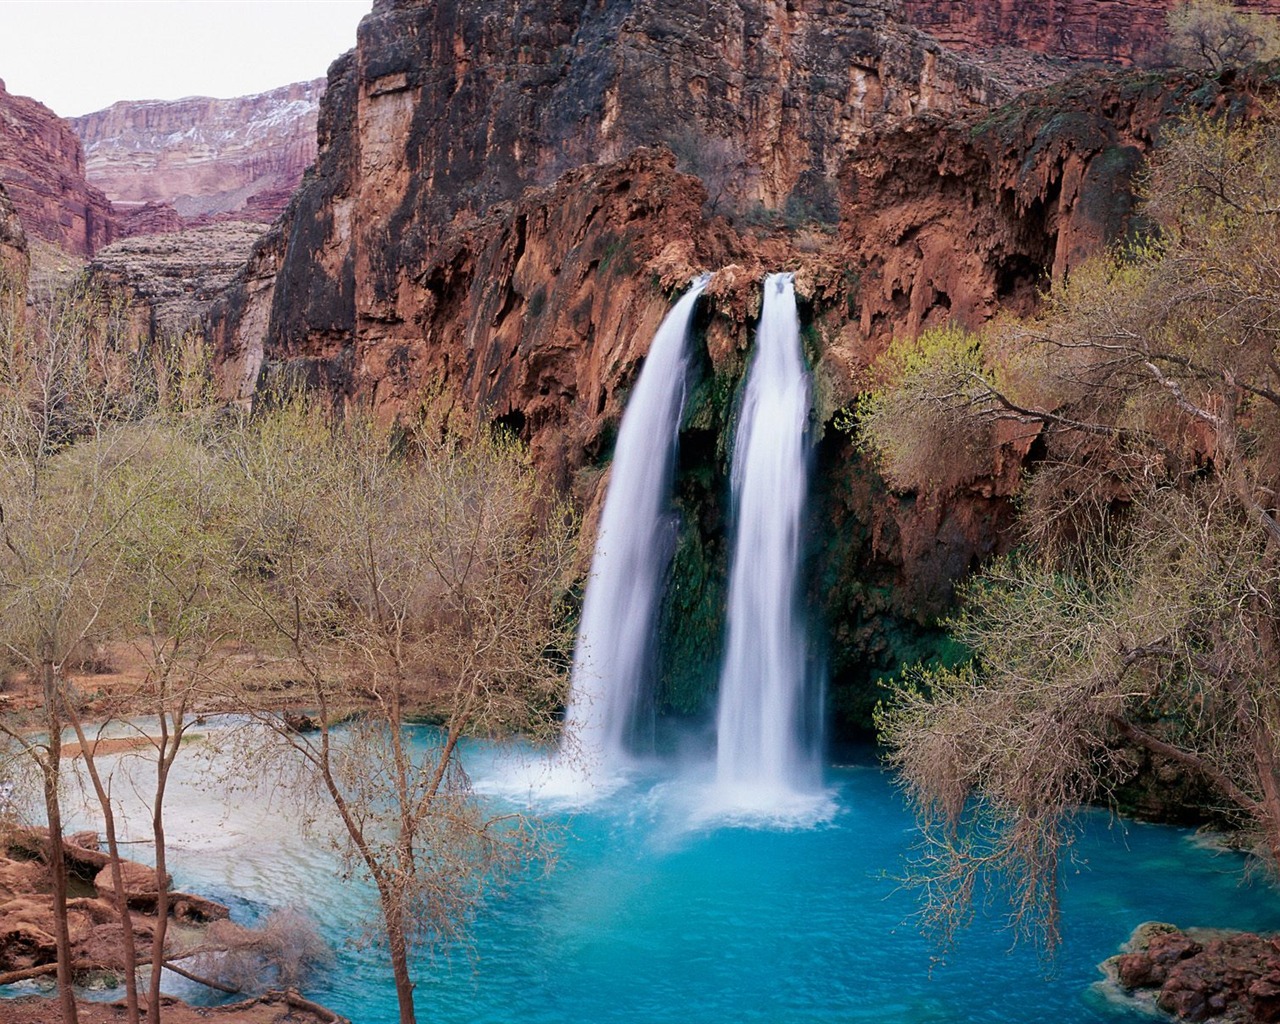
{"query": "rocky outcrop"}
[(169, 280), (148, 219), (1110, 30), (42, 168), (14, 260), (536, 314), (26, 907), (208, 159), (954, 220), (1199, 975)]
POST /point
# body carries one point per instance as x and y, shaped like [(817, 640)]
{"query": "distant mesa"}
[(154, 166), (209, 159)]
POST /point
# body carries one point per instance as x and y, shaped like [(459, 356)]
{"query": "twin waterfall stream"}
[(767, 754), (752, 884)]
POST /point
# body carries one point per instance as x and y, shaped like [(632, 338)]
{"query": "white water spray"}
[(766, 754), (613, 658)]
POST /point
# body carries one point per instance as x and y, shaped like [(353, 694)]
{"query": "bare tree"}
[(1141, 611), (1216, 34), (174, 552), (406, 575)]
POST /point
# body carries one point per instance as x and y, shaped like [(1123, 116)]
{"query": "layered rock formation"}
[(209, 159), (169, 280), (1124, 30), (42, 168)]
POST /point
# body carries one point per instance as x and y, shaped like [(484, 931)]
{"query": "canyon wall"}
[(445, 110), (168, 280), (42, 168), (501, 212), (1128, 31), (14, 262), (209, 159)]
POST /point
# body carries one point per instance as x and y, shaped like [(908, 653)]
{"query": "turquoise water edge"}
[(653, 913)]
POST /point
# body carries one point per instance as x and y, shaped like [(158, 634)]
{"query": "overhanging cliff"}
[(484, 230)]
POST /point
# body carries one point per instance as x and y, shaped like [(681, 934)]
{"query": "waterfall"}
[(613, 658), (765, 750)]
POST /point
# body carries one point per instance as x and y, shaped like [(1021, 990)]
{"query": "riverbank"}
[(272, 1008), (28, 949)]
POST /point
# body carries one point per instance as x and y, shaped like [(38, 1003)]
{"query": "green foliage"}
[(924, 425), (692, 622), (618, 258)]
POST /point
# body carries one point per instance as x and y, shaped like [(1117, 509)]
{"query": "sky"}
[(78, 56)]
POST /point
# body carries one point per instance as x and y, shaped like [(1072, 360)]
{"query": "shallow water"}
[(655, 913)]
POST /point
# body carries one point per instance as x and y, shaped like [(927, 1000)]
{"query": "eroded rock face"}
[(1123, 30), (446, 110), (209, 159), (169, 280), (14, 262), (955, 219), (42, 168)]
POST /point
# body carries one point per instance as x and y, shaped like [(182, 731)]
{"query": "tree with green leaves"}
[(1142, 608)]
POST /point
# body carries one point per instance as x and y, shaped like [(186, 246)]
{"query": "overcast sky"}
[(77, 56)]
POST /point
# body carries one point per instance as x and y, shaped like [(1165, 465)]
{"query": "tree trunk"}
[(57, 854), (87, 752), (163, 764), (398, 947), (132, 1013)]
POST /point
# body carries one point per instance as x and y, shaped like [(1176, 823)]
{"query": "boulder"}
[(1199, 975), (139, 883)]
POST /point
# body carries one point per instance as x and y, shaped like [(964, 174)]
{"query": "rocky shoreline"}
[(28, 949), (1200, 974)]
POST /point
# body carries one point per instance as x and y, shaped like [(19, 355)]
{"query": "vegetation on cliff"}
[(1217, 35), (1140, 610), (383, 573)]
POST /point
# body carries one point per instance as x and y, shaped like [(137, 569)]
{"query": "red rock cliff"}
[(42, 168), (208, 158), (484, 227), (14, 263), (1119, 30), (958, 219), (447, 109)]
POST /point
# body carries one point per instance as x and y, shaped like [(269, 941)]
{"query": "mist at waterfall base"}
[(651, 916)]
